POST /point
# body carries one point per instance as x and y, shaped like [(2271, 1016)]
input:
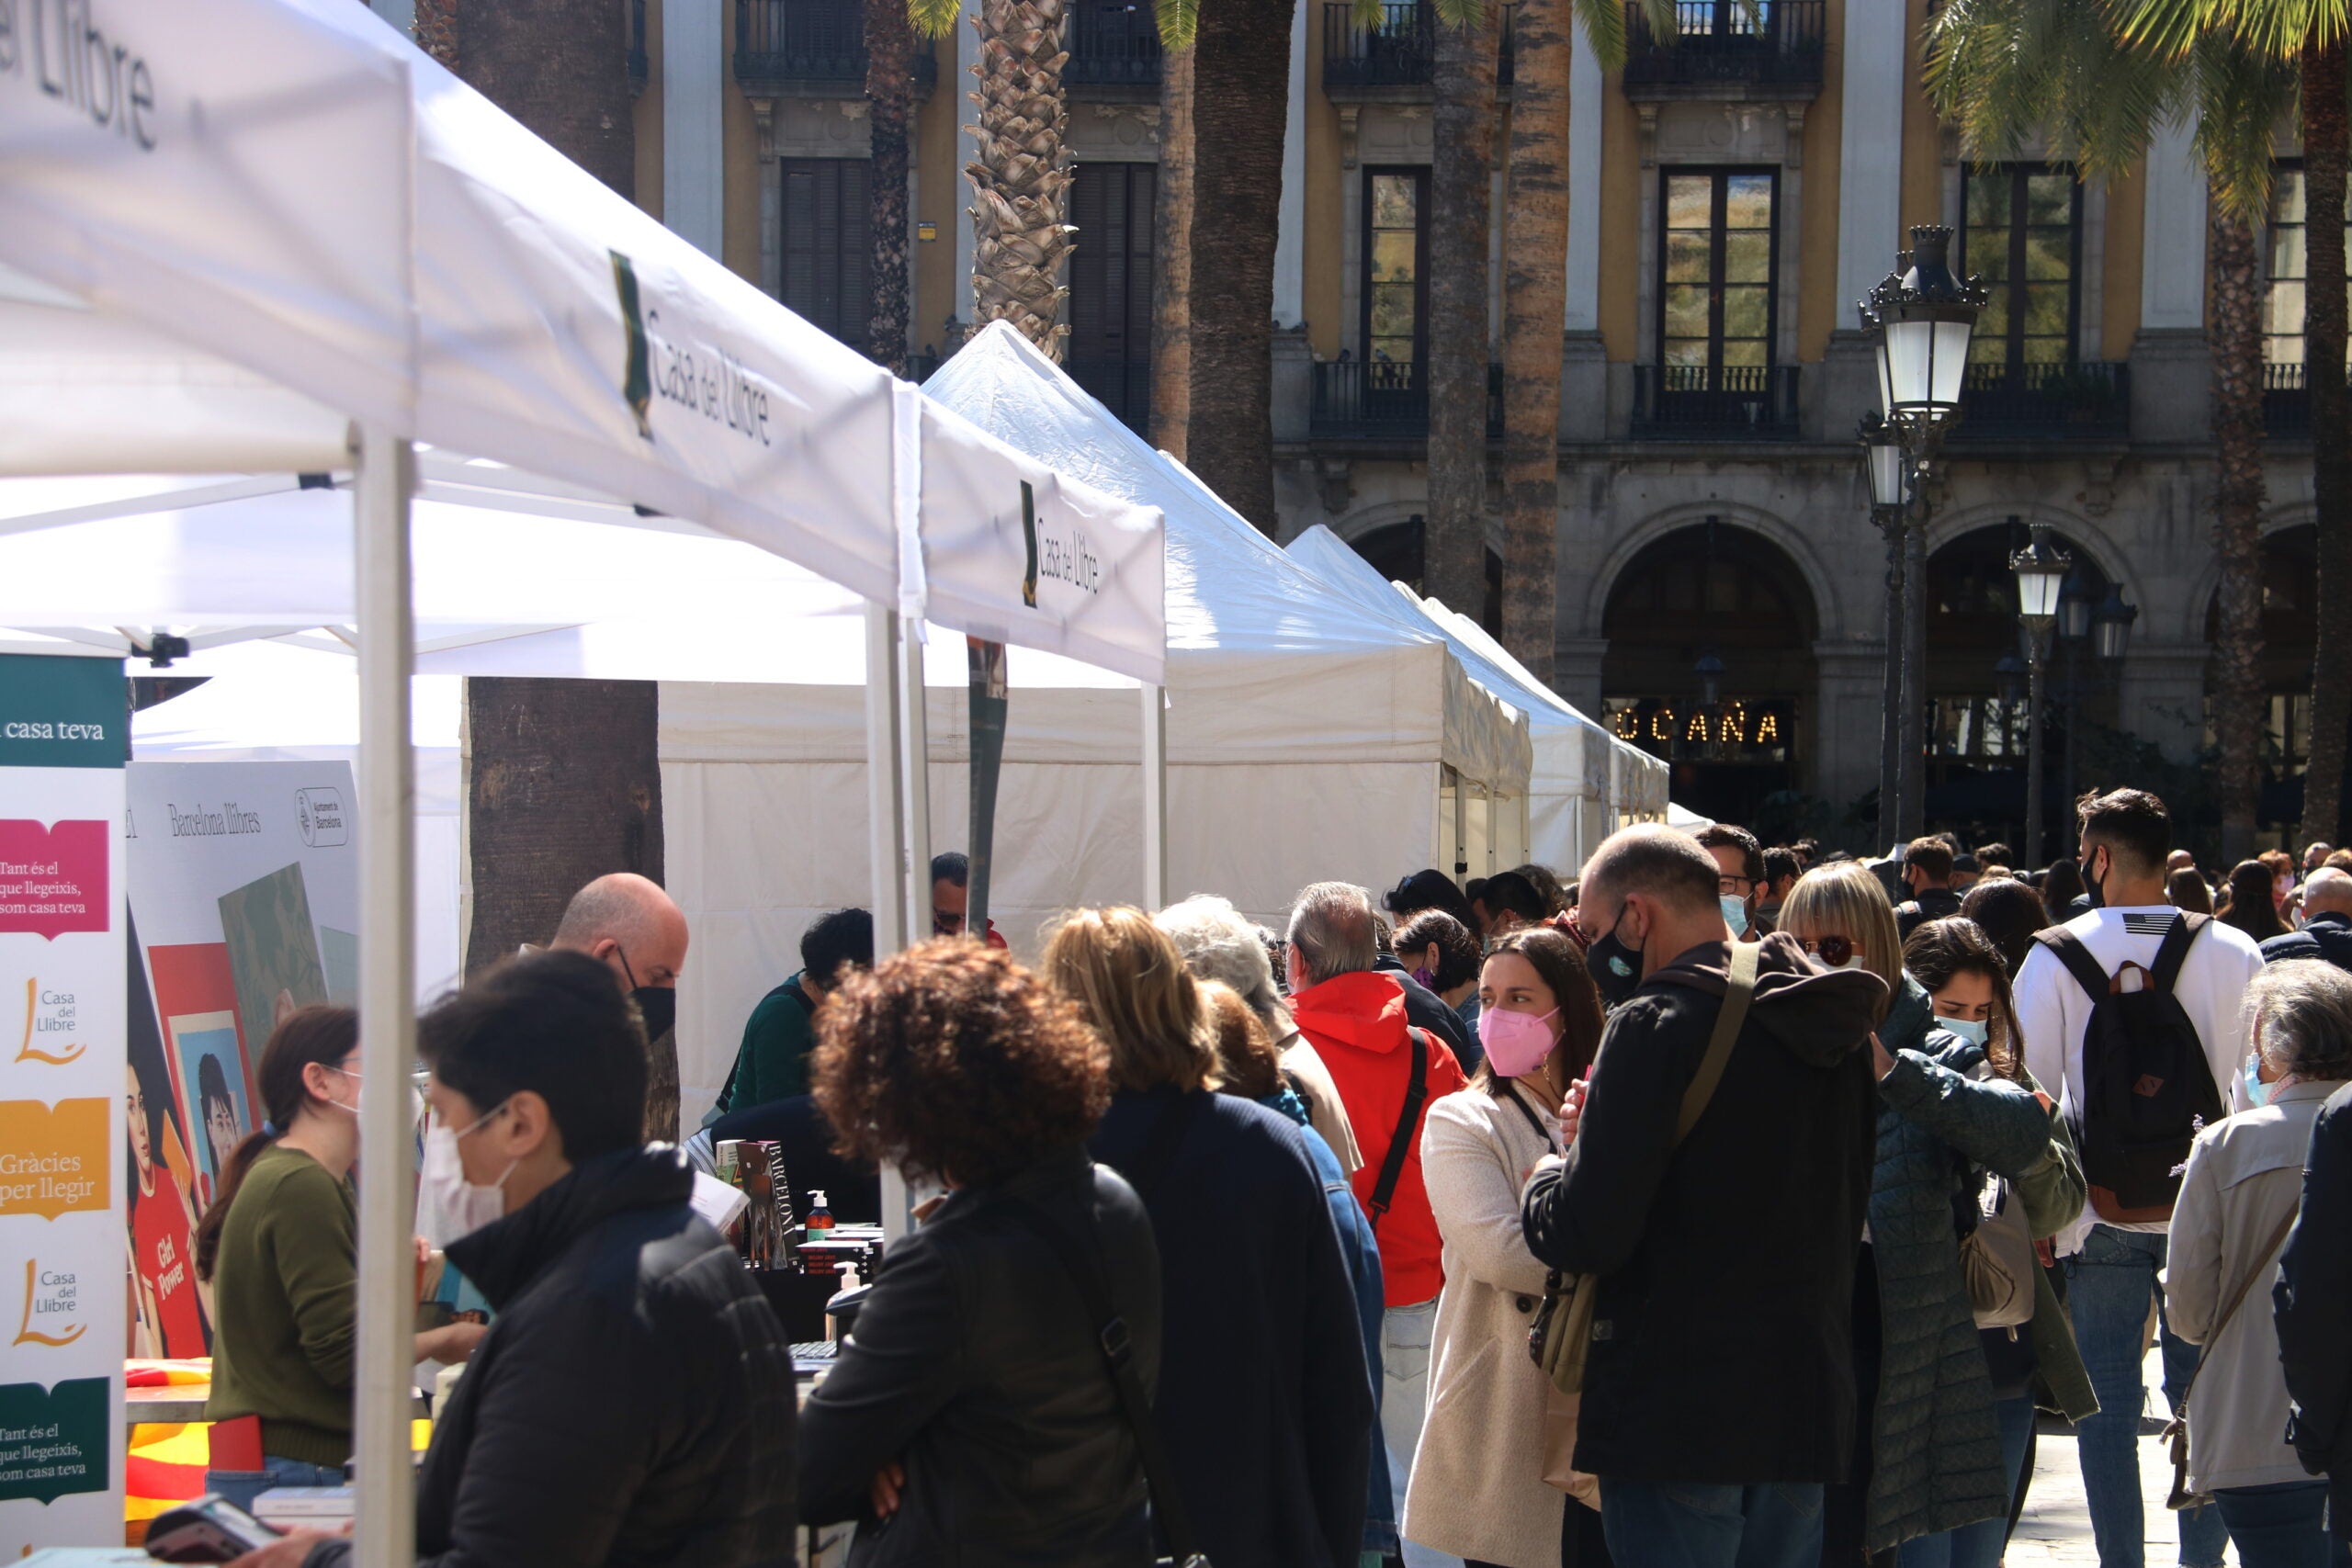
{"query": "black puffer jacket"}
[(975, 1364), (2314, 1303), (1723, 1348), (632, 1403)]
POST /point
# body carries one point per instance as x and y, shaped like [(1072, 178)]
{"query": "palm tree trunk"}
[(2238, 705), (889, 89), (1172, 277), (1461, 202), (1241, 101), (436, 30), (1021, 180), (1535, 297), (563, 780), (2325, 152)]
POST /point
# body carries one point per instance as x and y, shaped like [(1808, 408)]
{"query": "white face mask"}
[(1975, 1030), (465, 1208)]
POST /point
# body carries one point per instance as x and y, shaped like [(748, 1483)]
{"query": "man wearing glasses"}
[(1740, 864)]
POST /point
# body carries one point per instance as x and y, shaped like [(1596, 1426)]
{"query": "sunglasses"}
[(1833, 950)]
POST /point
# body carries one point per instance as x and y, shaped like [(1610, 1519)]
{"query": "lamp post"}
[(2074, 632), (1925, 318), (1887, 468), (2042, 574), (2009, 682)]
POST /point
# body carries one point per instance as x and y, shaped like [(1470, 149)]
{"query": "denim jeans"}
[(1405, 1334), (241, 1487), (2108, 1286), (2280, 1527), (1672, 1523), (1980, 1545)]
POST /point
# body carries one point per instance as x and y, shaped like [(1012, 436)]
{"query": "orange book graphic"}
[(54, 1162)]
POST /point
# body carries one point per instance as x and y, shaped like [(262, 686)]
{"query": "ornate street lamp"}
[(1886, 468), (2042, 575), (2074, 607), (1710, 671), (2111, 627)]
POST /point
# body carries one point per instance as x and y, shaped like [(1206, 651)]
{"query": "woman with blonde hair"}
[(1255, 1293), (1930, 1461)]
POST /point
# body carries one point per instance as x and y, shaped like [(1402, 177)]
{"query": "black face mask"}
[(2097, 886), (1616, 968), (658, 1005)]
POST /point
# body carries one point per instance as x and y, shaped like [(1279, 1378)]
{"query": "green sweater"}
[(285, 1285), (773, 1061)]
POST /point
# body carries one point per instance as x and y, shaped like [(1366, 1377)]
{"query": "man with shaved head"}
[(628, 924), (2327, 923), (1721, 1220)]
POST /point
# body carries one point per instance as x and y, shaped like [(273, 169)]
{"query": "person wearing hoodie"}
[(1387, 1074), (1719, 1397)]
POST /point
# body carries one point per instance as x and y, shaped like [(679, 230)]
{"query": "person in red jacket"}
[(1387, 1074)]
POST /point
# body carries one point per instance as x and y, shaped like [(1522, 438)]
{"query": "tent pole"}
[(385, 1476), (1155, 797), (886, 848), (914, 781)]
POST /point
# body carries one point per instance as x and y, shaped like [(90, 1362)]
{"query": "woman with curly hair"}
[(971, 1417), (1255, 1293)]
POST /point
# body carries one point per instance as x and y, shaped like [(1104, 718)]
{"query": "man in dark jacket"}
[(632, 1403), (2327, 923), (1720, 1396), (2313, 1301), (1424, 1009), (1926, 871)]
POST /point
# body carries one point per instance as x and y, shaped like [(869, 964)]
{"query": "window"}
[(828, 246), (1395, 273), (2021, 233), (1110, 285), (2282, 310), (1716, 304)]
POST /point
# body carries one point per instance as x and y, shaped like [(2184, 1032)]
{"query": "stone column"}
[(1576, 673), (1850, 694), (1584, 360), (1290, 250), (2171, 378), (2164, 696), (1869, 207)]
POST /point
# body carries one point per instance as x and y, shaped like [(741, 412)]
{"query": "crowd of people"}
[(1727, 1206)]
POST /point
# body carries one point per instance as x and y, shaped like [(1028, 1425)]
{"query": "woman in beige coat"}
[(1477, 1488), (2243, 1183)]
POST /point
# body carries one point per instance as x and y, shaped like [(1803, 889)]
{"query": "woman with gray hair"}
[(1219, 942), (2238, 1197)]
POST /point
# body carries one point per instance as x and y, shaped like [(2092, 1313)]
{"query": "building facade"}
[(1734, 192)]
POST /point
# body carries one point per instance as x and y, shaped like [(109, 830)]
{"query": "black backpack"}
[(2147, 1087)]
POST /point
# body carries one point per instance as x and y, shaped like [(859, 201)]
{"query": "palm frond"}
[(2276, 29), (2242, 95), (2005, 71), (1603, 22), (1180, 22), (1467, 15), (931, 18)]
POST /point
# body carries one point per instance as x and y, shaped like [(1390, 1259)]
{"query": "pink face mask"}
[(1515, 1042)]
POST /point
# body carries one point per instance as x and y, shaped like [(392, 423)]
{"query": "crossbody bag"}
[(2176, 1431)]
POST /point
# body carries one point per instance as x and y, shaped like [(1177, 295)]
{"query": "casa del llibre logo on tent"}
[(636, 376)]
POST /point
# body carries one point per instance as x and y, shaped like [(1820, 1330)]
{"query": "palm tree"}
[(889, 89), (1172, 276), (2070, 69), (2309, 34), (1461, 203)]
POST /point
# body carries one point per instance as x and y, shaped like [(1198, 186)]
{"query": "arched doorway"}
[(1976, 729), (1395, 551), (1720, 592), (2289, 641)]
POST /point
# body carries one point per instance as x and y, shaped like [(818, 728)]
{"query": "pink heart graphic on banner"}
[(53, 880)]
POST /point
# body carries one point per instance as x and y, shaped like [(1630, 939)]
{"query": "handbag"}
[(1111, 1337), (1998, 1261), (1561, 1337), (2176, 1431)]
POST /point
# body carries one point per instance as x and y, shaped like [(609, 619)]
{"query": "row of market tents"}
[(310, 355)]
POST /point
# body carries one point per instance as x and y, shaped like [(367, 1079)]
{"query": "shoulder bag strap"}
[(2237, 1297), (1739, 990), (1508, 1090), (2174, 951), (1400, 1143), (2078, 960), (1112, 1338)]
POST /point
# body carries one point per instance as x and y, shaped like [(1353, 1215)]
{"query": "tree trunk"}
[(2325, 153), (1461, 204), (562, 68), (1240, 104), (1172, 245), (889, 90), (563, 784), (1021, 180), (1535, 298), (2238, 704), (564, 777), (436, 30)]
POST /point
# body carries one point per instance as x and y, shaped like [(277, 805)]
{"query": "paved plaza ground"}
[(2056, 1525)]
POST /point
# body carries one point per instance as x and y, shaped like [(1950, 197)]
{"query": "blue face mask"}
[(2257, 1093), (1976, 1032), (1735, 913)]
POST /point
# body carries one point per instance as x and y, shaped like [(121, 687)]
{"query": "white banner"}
[(61, 1133)]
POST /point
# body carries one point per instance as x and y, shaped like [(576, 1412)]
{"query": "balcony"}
[(1384, 401), (2087, 401), (1400, 52), (1724, 49), (1736, 402), (810, 48), (1113, 44), (2286, 403), (637, 68)]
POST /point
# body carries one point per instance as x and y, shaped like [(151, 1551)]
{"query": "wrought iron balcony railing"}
[(1772, 43), (2286, 401), (779, 43), (1401, 51), (1113, 44), (2085, 401), (1384, 401), (1735, 402)]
